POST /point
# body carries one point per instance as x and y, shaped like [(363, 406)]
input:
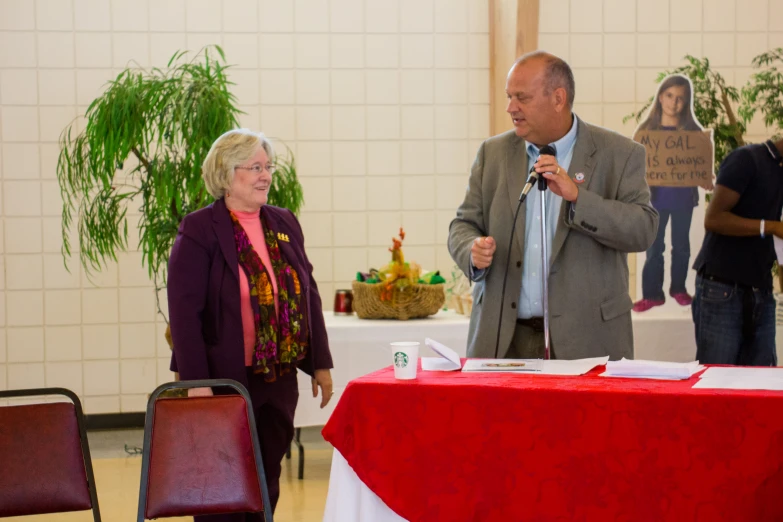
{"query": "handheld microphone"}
[(532, 178)]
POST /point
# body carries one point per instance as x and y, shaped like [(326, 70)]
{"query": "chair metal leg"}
[(298, 442), (288, 453)]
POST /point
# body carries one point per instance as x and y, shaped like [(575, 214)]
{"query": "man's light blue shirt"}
[(531, 302)]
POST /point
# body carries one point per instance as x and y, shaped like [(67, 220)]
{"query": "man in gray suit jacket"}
[(598, 205)]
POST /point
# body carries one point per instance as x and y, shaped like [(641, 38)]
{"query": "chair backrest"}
[(46, 465), (201, 456)]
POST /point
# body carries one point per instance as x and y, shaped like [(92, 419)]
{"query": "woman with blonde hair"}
[(242, 299)]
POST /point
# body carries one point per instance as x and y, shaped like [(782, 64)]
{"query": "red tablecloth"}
[(462, 447)]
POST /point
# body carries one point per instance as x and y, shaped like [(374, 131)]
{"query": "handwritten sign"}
[(678, 158)]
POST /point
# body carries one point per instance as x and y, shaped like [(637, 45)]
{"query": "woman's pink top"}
[(251, 222)]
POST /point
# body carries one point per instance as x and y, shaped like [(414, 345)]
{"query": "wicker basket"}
[(411, 302)]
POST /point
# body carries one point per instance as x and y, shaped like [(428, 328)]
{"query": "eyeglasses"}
[(258, 169)]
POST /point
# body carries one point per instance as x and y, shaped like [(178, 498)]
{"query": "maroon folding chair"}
[(45, 464), (201, 455)]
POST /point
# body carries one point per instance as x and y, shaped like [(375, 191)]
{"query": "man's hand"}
[(200, 392), (323, 379), (557, 178), (482, 251)]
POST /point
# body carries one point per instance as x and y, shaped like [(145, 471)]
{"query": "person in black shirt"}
[(733, 309)]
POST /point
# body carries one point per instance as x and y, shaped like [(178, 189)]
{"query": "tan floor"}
[(117, 480)]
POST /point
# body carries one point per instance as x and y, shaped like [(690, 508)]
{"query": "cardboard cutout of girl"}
[(672, 111)]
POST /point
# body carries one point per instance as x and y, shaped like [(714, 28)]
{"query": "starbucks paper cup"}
[(406, 359)]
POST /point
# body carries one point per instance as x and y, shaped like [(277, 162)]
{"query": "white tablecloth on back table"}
[(361, 346)]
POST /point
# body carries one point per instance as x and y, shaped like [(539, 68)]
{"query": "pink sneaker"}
[(646, 304), (682, 298)]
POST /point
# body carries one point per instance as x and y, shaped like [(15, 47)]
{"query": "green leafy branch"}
[(161, 124)]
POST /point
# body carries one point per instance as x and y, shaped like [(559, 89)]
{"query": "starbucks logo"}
[(400, 360)]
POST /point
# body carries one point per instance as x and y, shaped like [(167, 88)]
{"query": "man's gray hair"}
[(558, 73)]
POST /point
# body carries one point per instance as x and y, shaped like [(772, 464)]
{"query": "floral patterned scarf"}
[(281, 341)]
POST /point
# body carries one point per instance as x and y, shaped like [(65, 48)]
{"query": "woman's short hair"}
[(230, 150)]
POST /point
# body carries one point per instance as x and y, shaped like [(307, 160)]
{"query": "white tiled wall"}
[(383, 101), (618, 47)]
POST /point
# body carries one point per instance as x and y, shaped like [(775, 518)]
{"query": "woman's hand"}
[(323, 379)]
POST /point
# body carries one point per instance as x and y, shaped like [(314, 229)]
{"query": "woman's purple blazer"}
[(203, 294)]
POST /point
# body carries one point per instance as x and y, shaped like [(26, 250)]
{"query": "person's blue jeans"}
[(652, 273), (720, 314)]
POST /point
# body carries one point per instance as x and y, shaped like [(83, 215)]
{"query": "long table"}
[(503, 447), (360, 346)]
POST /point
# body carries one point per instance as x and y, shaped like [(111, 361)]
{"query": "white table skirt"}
[(349, 500), (664, 335)]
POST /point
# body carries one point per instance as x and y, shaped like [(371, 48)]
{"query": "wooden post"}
[(513, 31)]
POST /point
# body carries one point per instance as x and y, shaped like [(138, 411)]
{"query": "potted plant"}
[(714, 103), (143, 143)]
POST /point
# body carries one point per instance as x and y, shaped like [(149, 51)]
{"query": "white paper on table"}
[(575, 367), (652, 377), (742, 379), (503, 365), (447, 362), (742, 372), (539, 366), (651, 369), (740, 383), (778, 248), (437, 364)]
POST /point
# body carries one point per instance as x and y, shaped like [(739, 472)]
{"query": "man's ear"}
[(560, 97)]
